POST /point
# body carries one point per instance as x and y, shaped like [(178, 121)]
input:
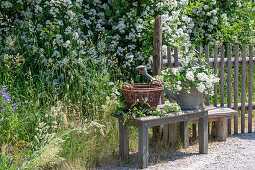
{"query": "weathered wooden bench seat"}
[(144, 123), (220, 116)]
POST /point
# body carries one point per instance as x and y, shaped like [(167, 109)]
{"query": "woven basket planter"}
[(144, 95)]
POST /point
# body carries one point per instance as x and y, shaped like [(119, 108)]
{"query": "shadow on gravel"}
[(157, 155), (246, 136)]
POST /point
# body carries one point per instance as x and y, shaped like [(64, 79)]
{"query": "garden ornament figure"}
[(187, 101)]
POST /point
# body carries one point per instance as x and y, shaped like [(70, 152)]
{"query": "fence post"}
[(250, 88), (243, 89), (157, 60), (229, 53), (157, 47), (215, 97), (207, 66), (222, 72), (236, 88)]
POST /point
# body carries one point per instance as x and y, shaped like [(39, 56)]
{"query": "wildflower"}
[(3, 110), (7, 97), (3, 104)]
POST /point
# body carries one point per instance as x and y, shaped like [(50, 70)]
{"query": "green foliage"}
[(140, 109)]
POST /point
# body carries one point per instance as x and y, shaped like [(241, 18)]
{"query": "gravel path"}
[(238, 152)]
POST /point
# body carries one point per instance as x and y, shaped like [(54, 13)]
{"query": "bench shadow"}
[(158, 153), (250, 136)]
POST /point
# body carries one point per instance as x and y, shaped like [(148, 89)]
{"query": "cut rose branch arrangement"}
[(190, 75)]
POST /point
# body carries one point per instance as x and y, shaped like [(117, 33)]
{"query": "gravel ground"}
[(237, 152)]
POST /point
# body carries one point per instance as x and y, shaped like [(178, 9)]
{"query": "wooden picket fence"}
[(232, 59)]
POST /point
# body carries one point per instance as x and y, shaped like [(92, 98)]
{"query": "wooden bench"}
[(144, 123), (220, 116)]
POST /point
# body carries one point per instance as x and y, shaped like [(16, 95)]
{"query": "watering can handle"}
[(125, 85), (156, 82)]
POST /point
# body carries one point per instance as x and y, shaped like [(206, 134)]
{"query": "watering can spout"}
[(142, 69)]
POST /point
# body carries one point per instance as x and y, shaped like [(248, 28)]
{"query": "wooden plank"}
[(169, 66), (165, 132), (210, 119), (243, 90), (222, 128), (176, 62), (184, 127), (143, 144), (157, 47), (229, 54), (184, 51), (211, 61), (173, 133), (199, 50), (250, 89), (236, 88), (207, 66), (203, 135), (157, 61), (215, 97), (194, 130), (123, 140), (239, 106), (222, 72), (157, 120)]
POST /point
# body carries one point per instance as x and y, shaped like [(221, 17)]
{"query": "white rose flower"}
[(179, 88), (175, 71), (201, 87), (202, 77), (190, 76)]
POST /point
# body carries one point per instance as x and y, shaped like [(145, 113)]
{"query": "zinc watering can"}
[(187, 101)]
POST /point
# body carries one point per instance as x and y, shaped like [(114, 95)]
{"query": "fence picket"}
[(229, 54), (250, 88), (207, 66), (176, 57), (215, 97), (199, 49), (169, 65), (236, 88), (222, 72), (243, 89)]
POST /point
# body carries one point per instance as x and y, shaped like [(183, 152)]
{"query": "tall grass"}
[(64, 114)]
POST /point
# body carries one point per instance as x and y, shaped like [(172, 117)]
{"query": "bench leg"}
[(203, 135), (229, 125), (173, 133), (184, 127), (170, 133), (222, 128), (124, 140), (143, 144), (194, 131)]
